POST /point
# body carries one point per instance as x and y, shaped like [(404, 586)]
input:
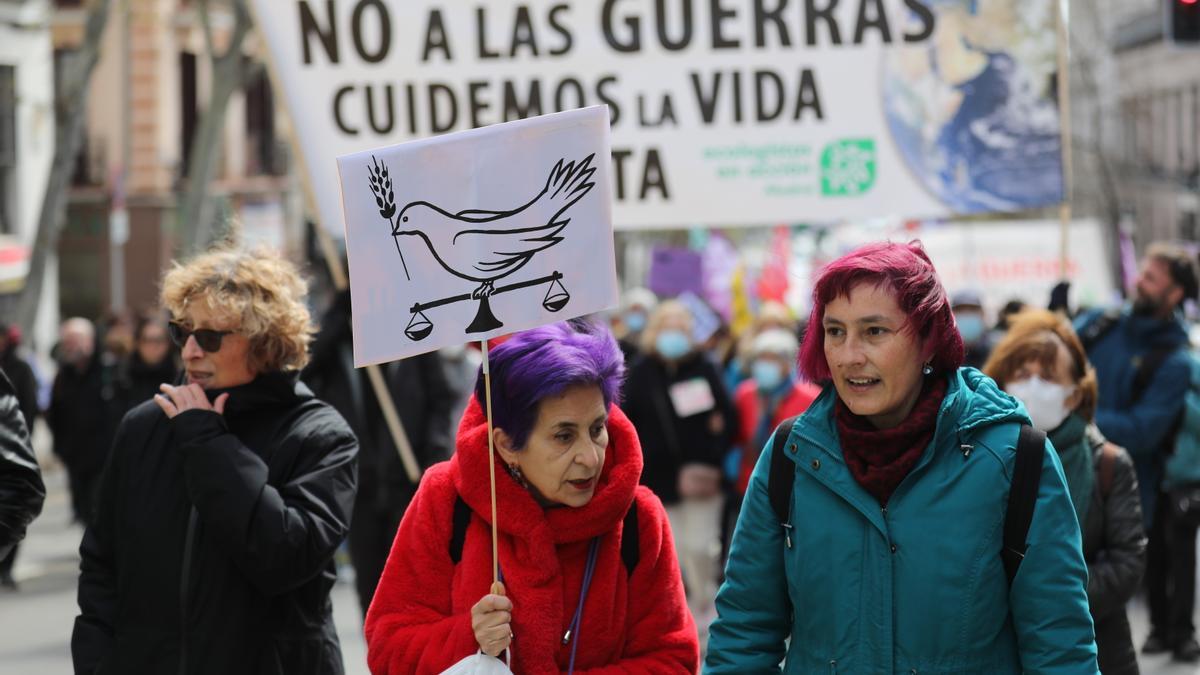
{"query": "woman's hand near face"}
[(491, 619), (174, 400), (699, 481)]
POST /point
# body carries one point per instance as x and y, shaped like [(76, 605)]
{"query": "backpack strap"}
[(1104, 472), (1098, 328), (630, 546), (1022, 496), (781, 478), (1147, 365), (462, 518), (630, 550)]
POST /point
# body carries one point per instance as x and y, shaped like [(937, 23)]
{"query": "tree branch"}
[(195, 213), (68, 137), (206, 23)]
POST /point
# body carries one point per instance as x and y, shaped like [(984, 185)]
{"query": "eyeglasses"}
[(208, 340)]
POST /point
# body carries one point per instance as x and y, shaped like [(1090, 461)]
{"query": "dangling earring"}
[(515, 471), (927, 370)]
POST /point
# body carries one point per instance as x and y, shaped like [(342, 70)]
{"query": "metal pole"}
[(118, 221), (1064, 106)]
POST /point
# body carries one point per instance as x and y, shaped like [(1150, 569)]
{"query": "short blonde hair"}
[(260, 289)]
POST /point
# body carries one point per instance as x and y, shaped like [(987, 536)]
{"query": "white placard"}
[(477, 234), (692, 397), (725, 112)]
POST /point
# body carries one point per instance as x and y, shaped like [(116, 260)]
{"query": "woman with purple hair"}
[(873, 543), (590, 579)]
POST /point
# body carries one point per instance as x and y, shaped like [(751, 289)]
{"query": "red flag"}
[(773, 282)]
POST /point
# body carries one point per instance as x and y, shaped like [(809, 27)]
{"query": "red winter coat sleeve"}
[(661, 633), (410, 626)]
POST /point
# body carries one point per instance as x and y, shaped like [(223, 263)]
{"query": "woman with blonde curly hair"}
[(224, 497)]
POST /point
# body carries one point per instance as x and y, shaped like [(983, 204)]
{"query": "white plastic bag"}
[(480, 664)]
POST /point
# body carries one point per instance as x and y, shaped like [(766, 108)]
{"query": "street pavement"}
[(36, 620)]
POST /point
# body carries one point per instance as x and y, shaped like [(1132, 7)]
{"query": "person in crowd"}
[(21, 489), (1042, 364), (225, 497), (25, 387), (772, 394), (590, 581), (20, 372), (1010, 309), (117, 335), (636, 306), (461, 363), (423, 399), (967, 306), (771, 315), (887, 553), (151, 362), (1140, 355), (686, 422), (84, 409)]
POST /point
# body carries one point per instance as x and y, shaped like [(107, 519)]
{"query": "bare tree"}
[(230, 72), (1093, 65), (71, 102)]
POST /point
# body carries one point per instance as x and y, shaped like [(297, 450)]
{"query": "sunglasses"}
[(208, 340)]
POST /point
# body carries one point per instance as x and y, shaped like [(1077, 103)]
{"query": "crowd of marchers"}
[(890, 483)]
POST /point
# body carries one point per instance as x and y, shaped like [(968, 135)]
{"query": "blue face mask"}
[(635, 321), (768, 374), (970, 326), (672, 344)]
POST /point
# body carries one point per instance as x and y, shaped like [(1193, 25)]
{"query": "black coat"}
[(21, 488), (669, 441), (24, 383), (421, 392), (85, 406), (139, 381), (1114, 545), (212, 550)]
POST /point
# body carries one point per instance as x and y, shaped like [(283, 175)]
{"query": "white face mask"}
[(1045, 401)]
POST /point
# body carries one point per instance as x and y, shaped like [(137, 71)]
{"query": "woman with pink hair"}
[(873, 544)]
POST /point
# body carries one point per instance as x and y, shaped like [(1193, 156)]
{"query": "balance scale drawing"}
[(484, 246)]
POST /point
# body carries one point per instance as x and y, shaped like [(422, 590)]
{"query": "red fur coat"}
[(420, 622)]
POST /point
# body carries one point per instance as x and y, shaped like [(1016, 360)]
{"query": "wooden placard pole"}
[(341, 282), (487, 389)]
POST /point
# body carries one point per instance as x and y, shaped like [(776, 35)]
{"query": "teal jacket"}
[(918, 587), (1183, 466)]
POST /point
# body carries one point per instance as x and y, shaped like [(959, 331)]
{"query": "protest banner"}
[(478, 234), (724, 112)]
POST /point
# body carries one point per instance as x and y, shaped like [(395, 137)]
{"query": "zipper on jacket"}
[(188, 543), (833, 667)]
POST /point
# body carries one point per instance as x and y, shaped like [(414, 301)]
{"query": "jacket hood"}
[(973, 402), (519, 514), (976, 401)]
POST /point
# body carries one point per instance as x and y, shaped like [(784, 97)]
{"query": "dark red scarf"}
[(880, 458)]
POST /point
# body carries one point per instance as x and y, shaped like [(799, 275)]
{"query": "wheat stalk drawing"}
[(385, 198)]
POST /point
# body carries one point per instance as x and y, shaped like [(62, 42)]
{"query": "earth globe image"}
[(973, 110)]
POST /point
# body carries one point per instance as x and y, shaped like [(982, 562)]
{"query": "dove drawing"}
[(482, 245)]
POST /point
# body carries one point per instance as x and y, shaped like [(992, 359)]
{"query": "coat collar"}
[(265, 391), (519, 515)]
